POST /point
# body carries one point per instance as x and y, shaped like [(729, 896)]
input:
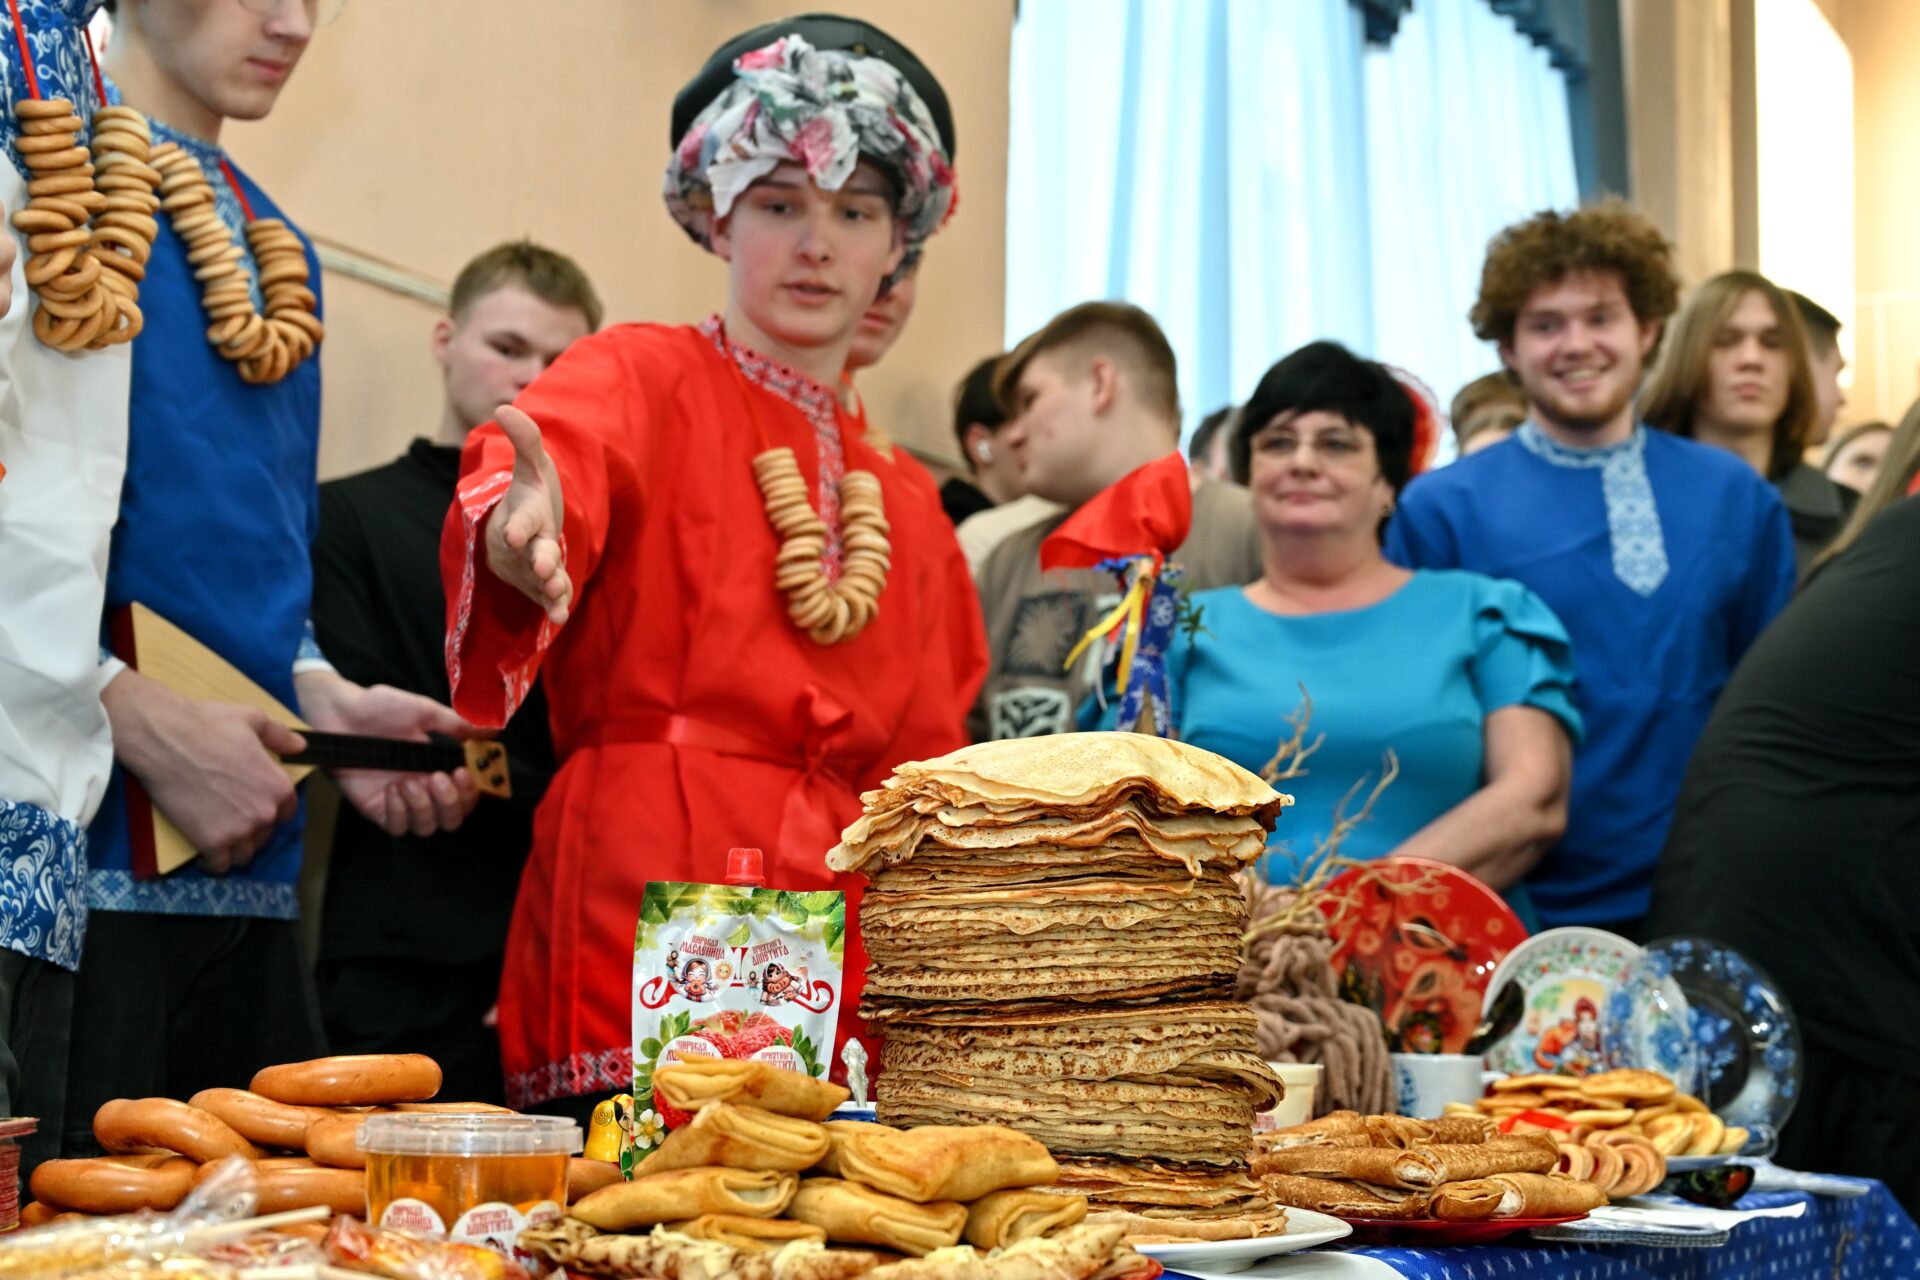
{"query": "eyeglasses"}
[(1715, 1188), (319, 12)]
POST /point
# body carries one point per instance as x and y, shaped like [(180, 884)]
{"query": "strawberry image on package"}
[(731, 971)]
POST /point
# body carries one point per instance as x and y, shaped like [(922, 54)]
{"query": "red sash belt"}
[(809, 824)]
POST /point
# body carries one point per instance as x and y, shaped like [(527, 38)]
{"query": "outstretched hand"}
[(523, 532)]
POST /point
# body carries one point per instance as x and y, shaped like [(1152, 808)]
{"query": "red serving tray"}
[(1418, 1233)]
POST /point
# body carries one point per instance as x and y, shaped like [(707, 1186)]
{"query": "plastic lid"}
[(492, 1134), (746, 867)]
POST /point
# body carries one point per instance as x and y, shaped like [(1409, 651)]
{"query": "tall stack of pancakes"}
[(1054, 930)]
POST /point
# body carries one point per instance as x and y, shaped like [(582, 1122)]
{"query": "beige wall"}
[(1679, 70), (1884, 38), (1692, 143), (418, 132)]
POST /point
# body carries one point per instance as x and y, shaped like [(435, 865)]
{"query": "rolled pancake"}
[(1539, 1195), (581, 1250), (1344, 1199), (1431, 1166), (838, 1131), (680, 1194), (1474, 1201), (690, 1086), (739, 1137), (1316, 1133), (753, 1234), (1397, 1131), (945, 1162), (1462, 1130), (1373, 1165), (1008, 1217), (852, 1214), (1075, 1254)]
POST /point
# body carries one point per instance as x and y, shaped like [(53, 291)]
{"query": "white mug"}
[(1424, 1083)]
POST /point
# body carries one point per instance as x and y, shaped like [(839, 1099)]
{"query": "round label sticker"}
[(497, 1226), (681, 1048), (779, 1055), (413, 1215)]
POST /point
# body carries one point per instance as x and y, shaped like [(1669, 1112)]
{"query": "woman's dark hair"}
[(1325, 377)]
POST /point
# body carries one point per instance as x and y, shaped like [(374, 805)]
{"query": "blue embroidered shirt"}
[(216, 519), (1652, 645)]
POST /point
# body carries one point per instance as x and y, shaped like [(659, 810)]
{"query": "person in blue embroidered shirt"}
[(1663, 557), (195, 978), (1466, 679)]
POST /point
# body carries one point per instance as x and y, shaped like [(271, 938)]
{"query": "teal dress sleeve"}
[(1522, 654)]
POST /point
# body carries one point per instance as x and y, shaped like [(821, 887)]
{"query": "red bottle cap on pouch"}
[(746, 867)]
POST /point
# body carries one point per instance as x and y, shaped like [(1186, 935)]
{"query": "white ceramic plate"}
[(1591, 1005), (1208, 1259), (1760, 1144)]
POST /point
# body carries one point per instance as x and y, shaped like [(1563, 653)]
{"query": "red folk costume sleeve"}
[(496, 637)]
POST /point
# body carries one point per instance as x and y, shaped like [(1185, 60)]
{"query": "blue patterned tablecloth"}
[(1863, 1238)]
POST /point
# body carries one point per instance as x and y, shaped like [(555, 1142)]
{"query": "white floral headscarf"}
[(823, 109)]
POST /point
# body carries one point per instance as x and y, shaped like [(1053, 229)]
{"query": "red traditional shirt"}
[(689, 715)]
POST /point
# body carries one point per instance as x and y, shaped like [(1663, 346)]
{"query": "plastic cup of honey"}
[(479, 1179)]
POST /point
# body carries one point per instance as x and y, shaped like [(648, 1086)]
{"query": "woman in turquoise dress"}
[(1466, 679)]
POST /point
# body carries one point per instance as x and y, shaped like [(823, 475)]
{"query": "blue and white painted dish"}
[(1591, 1006), (1747, 1037), (1648, 1023)]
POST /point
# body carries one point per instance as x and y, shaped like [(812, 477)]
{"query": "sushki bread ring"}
[(114, 1184), (42, 268), (333, 1141), (70, 157), (44, 144), (53, 331), (352, 1080), (294, 1182), (39, 128), (260, 1120), (132, 1124), (60, 184), (48, 241), (138, 247)]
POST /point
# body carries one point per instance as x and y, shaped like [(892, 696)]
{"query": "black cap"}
[(822, 31)]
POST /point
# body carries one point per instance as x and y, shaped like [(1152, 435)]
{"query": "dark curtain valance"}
[(1582, 40)]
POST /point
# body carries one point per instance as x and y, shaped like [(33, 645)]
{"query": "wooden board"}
[(165, 654)]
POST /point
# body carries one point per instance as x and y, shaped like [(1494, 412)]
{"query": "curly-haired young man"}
[(1663, 557)]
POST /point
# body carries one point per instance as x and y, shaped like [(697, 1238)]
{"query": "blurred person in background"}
[(1854, 456), (1486, 411), (1467, 679), (1738, 374), (1895, 477), (1207, 450), (1796, 835), (993, 501), (1823, 351), (413, 928)]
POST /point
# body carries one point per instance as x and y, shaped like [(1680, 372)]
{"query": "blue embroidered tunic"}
[(216, 519), (1665, 559)]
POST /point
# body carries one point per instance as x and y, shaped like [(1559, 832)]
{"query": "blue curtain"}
[(1257, 176)]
